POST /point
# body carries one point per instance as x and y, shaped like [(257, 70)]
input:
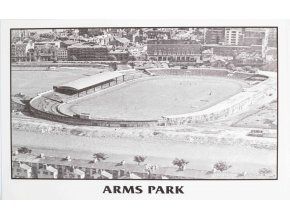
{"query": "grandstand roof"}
[(90, 81)]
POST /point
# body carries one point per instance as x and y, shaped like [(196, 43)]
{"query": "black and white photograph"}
[(144, 103)]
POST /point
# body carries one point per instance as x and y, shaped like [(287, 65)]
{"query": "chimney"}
[(122, 162), (41, 155), (96, 160), (68, 158)]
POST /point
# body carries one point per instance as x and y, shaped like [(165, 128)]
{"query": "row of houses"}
[(48, 167), (194, 52)]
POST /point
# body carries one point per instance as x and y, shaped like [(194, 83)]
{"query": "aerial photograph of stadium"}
[(144, 103)]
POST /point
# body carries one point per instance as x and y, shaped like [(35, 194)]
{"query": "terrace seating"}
[(190, 72)]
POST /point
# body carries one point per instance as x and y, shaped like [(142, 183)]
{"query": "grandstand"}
[(89, 83)]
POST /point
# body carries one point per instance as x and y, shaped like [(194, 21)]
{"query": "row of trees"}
[(180, 163), (102, 156)]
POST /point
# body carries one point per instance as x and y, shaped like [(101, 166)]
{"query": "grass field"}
[(153, 98), (32, 82)]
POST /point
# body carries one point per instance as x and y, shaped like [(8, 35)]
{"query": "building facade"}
[(253, 36), (21, 170), (233, 36), (47, 172), (18, 52), (214, 36), (174, 50), (157, 34), (85, 52), (62, 54)]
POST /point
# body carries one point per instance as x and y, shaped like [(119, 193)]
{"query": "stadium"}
[(151, 97)]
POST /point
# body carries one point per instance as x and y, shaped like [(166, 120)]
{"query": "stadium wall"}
[(222, 110), (63, 118), (91, 122)]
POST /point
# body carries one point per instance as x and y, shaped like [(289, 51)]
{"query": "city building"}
[(61, 54), (47, 172), (73, 173), (87, 52), (253, 36), (118, 41), (174, 50), (83, 31), (21, 170), (233, 36), (158, 34), (272, 37), (214, 36), (18, 52), (44, 52)]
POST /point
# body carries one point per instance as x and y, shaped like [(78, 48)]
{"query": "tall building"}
[(214, 36), (253, 36), (272, 37), (233, 36), (18, 52)]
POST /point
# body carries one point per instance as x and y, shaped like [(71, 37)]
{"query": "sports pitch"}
[(152, 98)]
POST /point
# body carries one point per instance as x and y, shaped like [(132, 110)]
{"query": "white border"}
[(60, 189)]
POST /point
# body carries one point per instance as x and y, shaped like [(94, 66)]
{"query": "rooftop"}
[(51, 169), (79, 172), (82, 45), (122, 40), (32, 158), (25, 167), (88, 81)]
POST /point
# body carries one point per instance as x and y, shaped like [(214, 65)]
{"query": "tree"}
[(139, 159), (265, 171), (181, 163), (24, 150), (221, 166), (100, 156)]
